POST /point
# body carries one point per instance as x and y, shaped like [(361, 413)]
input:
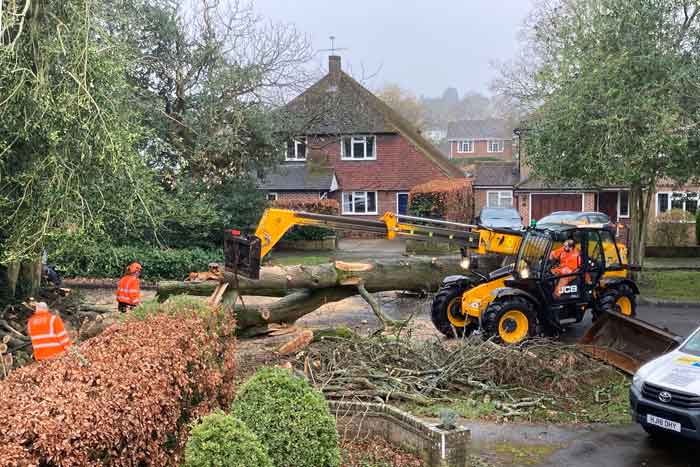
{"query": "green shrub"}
[(222, 440), (290, 418), (443, 199), (157, 263), (672, 228)]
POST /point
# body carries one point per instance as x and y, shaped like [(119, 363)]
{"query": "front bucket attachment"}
[(242, 254), (626, 343)]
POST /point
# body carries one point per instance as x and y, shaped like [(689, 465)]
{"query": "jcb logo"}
[(568, 289)]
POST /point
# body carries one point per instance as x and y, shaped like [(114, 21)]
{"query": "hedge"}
[(220, 439), (157, 263), (321, 206), (447, 199), (290, 418), (132, 405)]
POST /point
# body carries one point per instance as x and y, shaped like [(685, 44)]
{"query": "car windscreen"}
[(559, 218), (692, 346), (500, 214)]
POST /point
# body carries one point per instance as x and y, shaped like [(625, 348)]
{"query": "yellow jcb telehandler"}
[(534, 294)]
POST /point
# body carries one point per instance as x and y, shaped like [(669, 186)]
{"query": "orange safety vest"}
[(49, 336), (129, 290), (571, 260)]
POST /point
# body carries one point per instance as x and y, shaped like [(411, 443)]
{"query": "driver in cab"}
[(569, 261)]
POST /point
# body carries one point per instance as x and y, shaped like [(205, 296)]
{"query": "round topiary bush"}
[(220, 439), (290, 418)]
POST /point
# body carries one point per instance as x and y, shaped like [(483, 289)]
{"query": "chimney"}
[(334, 64)]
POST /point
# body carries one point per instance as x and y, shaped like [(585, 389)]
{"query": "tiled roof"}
[(476, 129), (337, 104), (298, 177), (496, 174)]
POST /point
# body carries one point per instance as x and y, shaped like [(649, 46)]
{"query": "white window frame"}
[(500, 194), (397, 200), (296, 158), (670, 200), (619, 205), (358, 139), (272, 196), (501, 145), (354, 193), (470, 142)]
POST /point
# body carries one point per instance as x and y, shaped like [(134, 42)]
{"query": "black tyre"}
[(446, 312), (510, 319), (658, 434), (619, 299)]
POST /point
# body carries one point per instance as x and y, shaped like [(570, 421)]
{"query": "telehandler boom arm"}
[(243, 253)]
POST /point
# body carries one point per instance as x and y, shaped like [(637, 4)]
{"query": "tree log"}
[(306, 288)]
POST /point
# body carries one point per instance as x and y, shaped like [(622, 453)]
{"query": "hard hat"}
[(41, 306), (133, 267)]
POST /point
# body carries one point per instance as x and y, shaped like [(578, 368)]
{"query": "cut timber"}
[(301, 340), (306, 288)]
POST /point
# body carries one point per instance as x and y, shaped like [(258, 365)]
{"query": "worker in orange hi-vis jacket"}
[(48, 334), (129, 288)]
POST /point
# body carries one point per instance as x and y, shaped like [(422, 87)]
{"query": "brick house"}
[(480, 140), (370, 156)]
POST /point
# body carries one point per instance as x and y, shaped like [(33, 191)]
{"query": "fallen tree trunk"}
[(306, 288)]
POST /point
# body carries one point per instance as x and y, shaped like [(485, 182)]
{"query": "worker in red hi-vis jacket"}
[(129, 288), (48, 334)]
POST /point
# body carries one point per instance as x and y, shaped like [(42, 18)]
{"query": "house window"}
[(495, 145), (360, 202), (465, 146), (322, 195), (402, 203), (296, 150), (683, 200), (623, 204), (499, 199), (358, 148), (272, 196)]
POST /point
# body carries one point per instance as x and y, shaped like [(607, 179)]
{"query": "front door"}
[(607, 203)]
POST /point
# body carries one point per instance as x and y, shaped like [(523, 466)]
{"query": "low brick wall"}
[(437, 447), (430, 246), (327, 244)]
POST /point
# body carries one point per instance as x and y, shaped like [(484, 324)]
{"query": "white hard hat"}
[(41, 306)]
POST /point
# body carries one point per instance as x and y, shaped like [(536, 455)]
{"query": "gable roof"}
[(299, 177), (479, 129), (337, 104), (496, 174)]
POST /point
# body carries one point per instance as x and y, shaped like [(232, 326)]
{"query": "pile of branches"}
[(511, 378)]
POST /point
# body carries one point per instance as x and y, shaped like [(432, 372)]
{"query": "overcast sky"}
[(423, 45)]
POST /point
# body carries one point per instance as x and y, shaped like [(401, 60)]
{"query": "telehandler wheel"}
[(511, 320), (446, 312), (620, 299)]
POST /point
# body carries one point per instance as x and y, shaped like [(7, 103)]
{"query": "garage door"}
[(546, 204)]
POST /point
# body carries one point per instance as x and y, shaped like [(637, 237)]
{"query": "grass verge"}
[(680, 286)]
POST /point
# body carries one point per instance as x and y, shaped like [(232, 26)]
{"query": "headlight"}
[(465, 263), (525, 272), (637, 382)]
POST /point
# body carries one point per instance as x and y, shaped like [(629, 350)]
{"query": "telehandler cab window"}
[(612, 256), (532, 253)]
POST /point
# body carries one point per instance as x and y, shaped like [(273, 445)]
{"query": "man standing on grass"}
[(48, 334), (129, 288)]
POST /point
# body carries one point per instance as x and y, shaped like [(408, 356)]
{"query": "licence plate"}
[(663, 423)]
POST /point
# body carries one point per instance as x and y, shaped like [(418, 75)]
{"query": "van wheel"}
[(619, 299), (446, 312), (511, 320)]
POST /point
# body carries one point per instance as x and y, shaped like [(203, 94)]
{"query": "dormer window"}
[(296, 150), (358, 147)]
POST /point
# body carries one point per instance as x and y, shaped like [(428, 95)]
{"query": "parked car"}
[(500, 217), (665, 392), (577, 218)]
